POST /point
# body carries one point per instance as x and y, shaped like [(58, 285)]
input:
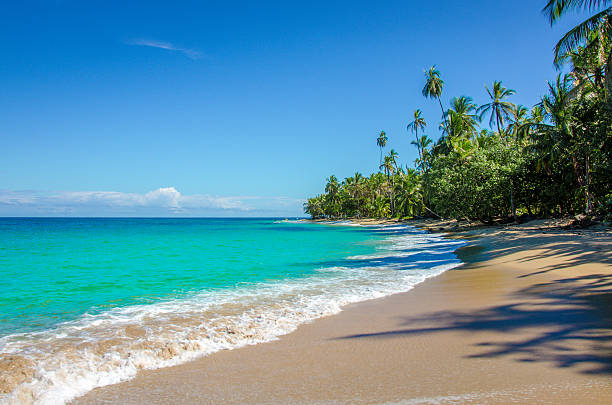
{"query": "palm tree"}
[(409, 201), (560, 138), (519, 122), (389, 166), (314, 207), (381, 141), (537, 114), (415, 125), (423, 143), (594, 32), (358, 191), (462, 117), (393, 155), (354, 186), (552, 131), (433, 87), (498, 108), (380, 208), (332, 188)]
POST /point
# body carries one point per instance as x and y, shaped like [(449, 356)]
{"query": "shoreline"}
[(468, 320), (452, 226)]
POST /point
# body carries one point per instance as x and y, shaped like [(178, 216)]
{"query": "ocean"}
[(86, 302)]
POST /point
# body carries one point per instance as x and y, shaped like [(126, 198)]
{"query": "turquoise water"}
[(90, 302), (55, 270)]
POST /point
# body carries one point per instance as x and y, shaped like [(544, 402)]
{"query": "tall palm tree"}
[(417, 124), (498, 108), (381, 141), (433, 88)]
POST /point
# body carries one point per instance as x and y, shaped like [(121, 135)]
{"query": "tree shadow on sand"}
[(557, 244), (568, 323)]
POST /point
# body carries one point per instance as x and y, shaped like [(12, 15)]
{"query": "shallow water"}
[(89, 302)]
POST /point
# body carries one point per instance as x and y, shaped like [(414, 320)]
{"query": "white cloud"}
[(191, 53), (9, 197), (160, 202)]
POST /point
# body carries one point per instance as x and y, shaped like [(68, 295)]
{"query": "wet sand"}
[(528, 319)]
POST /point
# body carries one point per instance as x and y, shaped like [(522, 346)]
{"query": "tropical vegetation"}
[(554, 159)]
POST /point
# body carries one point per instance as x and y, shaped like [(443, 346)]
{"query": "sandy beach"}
[(527, 319)]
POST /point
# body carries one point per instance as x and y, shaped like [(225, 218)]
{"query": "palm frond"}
[(554, 9), (580, 34)]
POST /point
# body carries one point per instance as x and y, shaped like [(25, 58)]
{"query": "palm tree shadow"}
[(569, 323), (553, 243)]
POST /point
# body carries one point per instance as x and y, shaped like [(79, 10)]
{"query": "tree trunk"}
[(608, 77), (418, 145), (589, 202), (391, 199), (444, 117), (512, 207)]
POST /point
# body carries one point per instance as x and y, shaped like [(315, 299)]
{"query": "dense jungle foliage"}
[(554, 159)]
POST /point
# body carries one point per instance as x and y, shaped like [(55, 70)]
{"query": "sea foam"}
[(57, 365)]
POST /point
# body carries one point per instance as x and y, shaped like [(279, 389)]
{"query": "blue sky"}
[(231, 108)]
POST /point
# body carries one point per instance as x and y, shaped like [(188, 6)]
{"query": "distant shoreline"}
[(452, 226)]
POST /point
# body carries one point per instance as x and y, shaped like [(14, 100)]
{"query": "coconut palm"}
[(559, 139), (498, 108), (418, 123), (315, 206), (423, 143), (355, 190), (593, 32), (332, 188), (519, 122), (393, 155), (409, 197), (433, 87), (556, 103), (389, 166), (380, 208), (381, 141), (537, 114), (462, 117)]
